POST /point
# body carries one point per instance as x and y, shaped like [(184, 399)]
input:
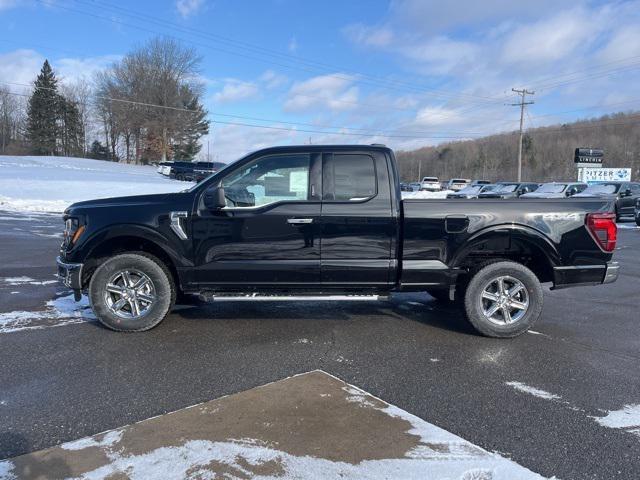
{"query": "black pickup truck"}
[(325, 220)]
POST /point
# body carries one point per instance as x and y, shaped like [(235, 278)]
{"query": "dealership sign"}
[(591, 156), (605, 174)]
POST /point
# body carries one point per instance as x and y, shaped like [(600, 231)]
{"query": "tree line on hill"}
[(547, 152), (145, 107)]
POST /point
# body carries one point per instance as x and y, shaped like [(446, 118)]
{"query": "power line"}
[(273, 53)]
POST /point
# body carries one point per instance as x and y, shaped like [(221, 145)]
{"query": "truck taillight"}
[(603, 229)]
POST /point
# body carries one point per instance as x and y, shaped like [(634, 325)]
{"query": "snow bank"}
[(50, 184), (426, 194)]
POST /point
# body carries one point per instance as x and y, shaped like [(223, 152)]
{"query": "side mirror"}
[(627, 192), (572, 191), (213, 198)]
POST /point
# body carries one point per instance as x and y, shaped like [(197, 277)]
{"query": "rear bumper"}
[(574, 276), (70, 274)]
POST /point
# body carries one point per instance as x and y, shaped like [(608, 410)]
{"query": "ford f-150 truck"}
[(324, 220)]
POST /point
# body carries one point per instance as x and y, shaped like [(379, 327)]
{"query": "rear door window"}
[(348, 178)]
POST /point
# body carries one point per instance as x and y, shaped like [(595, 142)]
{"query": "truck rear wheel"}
[(131, 292), (503, 299)]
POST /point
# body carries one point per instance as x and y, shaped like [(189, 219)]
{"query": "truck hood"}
[(133, 200)]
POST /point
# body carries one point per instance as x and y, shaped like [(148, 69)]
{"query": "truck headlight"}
[(73, 229)]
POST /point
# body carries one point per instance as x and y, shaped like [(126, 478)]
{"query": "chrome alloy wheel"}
[(505, 300), (129, 294)]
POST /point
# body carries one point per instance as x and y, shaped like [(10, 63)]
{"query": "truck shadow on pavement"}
[(420, 309)]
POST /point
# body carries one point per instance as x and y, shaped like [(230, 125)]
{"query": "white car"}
[(431, 184), (457, 184)]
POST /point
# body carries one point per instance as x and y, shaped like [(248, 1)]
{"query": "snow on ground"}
[(426, 194), (58, 312), (627, 418), (51, 184), (536, 392)]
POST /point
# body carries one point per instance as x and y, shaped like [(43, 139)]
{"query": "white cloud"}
[(22, 66), (70, 69), (334, 92), (625, 43), (186, 8), (369, 36), (235, 90), (551, 39), (273, 79)]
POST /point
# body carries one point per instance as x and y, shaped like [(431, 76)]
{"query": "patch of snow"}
[(26, 281), (302, 340), (536, 392), (51, 184), (6, 470), (426, 195), (628, 226), (626, 417), (58, 312), (434, 360), (108, 440)]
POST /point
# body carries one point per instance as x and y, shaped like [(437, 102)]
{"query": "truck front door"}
[(267, 235)]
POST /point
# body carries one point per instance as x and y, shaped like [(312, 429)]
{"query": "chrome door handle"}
[(299, 221)]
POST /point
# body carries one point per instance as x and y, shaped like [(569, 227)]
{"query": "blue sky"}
[(406, 73)]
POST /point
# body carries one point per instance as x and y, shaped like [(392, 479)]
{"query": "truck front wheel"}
[(503, 299), (131, 292)]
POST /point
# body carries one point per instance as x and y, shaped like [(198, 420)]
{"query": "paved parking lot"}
[(561, 401)]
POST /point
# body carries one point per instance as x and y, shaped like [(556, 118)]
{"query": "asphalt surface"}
[(59, 384)]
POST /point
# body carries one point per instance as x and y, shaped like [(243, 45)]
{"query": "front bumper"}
[(70, 274), (579, 275)]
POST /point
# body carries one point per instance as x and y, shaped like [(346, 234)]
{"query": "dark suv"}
[(510, 190), (625, 195)]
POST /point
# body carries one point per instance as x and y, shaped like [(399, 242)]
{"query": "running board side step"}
[(290, 298)]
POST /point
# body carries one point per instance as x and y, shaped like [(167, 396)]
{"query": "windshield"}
[(223, 167), (552, 188), (510, 187), (430, 179), (471, 190), (601, 188)]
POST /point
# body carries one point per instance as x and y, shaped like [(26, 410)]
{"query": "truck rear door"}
[(358, 227)]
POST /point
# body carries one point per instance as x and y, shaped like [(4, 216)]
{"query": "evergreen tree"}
[(70, 128), (99, 151), (42, 125), (195, 125)]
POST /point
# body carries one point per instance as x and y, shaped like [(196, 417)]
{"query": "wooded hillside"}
[(547, 152)]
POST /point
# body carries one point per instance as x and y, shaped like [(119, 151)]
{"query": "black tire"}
[(638, 220), (180, 177), (513, 274), (161, 288), (440, 294)]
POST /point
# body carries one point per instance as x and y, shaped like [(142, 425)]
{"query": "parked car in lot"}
[(204, 169), (509, 190), (164, 168), (410, 187), (556, 190), (182, 171), (456, 184), (430, 184), (624, 194), (255, 229), (472, 191)]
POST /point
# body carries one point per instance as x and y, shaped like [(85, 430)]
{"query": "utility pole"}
[(523, 93)]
